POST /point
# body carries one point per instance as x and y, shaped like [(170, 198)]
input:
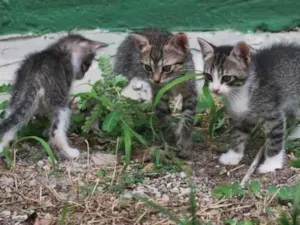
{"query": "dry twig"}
[(253, 166)]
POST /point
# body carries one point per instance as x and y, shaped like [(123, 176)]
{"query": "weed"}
[(190, 219), (228, 191), (115, 114)]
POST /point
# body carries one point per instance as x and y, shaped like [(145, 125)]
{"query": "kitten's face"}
[(225, 67), (82, 51), (162, 63)]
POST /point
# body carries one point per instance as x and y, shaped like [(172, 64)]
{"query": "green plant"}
[(228, 190), (186, 220), (115, 114), (9, 154), (235, 222), (295, 215)]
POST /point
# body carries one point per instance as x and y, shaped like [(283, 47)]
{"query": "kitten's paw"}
[(230, 158), (184, 148), (72, 153), (273, 163)]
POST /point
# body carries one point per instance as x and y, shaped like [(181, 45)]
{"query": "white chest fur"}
[(239, 101)]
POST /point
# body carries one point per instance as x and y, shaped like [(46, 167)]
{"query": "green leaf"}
[(216, 121), (3, 105), (111, 121), (127, 140), (5, 88), (105, 101), (231, 221), (295, 163), (222, 191), (228, 191), (121, 81), (237, 190), (168, 86), (8, 156), (284, 220), (208, 96), (255, 186)]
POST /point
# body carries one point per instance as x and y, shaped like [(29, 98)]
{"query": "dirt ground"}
[(81, 192)]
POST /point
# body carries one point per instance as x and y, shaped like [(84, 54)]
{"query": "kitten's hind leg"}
[(275, 154), (10, 135), (185, 128), (236, 152), (8, 138), (58, 137)]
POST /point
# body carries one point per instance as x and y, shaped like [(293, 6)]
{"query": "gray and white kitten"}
[(260, 86), (42, 86), (158, 57)]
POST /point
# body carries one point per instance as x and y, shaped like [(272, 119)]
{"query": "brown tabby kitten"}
[(158, 56)]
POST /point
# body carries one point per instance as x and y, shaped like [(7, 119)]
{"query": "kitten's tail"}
[(20, 113)]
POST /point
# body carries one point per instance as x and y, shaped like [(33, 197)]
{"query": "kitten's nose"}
[(216, 90), (156, 79)]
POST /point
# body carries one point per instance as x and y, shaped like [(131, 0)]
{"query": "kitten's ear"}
[(207, 49), (241, 51), (179, 40), (141, 42)]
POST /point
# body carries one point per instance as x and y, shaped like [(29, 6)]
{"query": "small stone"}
[(182, 174), (127, 195), (32, 183), (174, 190), (5, 214), (184, 191), (40, 163), (165, 198), (101, 159), (19, 217)]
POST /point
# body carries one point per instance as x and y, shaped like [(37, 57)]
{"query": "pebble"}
[(174, 190), (40, 163), (165, 198), (127, 195), (5, 214), (101, 159), (19, 217)]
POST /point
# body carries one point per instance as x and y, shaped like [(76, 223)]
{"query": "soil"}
[(80, 192)]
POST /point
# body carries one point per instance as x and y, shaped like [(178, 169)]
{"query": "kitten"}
[(158, 56), (260, 86), (42, 86)]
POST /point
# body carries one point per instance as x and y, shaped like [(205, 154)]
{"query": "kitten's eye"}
[(226, 79), (208, 76), (147, 68), (167, 68)]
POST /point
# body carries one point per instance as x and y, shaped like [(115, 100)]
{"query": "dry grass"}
[(75, 194)]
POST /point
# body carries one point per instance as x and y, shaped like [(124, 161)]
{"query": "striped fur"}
[(42, 86), (264, 90), (158, 56)]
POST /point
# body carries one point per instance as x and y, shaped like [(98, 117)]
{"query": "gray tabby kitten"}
[(158, 56), (259, 87), (42, 86)]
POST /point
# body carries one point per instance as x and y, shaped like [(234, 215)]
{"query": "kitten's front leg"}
[(274, 154), (185, 128), (236, 151), (163, 114), (58, 137)]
